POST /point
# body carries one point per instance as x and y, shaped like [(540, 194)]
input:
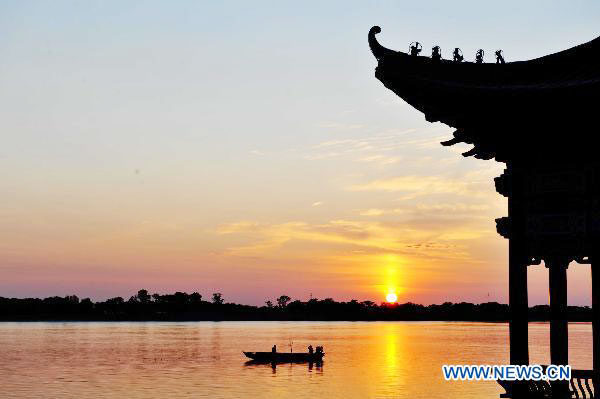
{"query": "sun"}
[(391, 297)]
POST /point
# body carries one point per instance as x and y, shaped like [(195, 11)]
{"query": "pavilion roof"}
[(497, 106)]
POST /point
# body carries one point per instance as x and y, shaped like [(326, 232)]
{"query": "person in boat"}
[(310, 349), (274, 349), (457, 55), (319, 350)]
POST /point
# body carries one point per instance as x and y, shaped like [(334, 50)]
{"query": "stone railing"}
[(582, 384), (581, 387)]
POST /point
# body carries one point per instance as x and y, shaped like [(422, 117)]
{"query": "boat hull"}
[(282, 357)]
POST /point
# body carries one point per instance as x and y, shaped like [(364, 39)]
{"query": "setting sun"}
[(391, 297)]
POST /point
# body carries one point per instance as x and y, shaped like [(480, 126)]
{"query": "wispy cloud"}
[(380, 159), (383, 148), (407, 238), (478, 183), (341, 126), (372, 212), (421, 185), (425, 210)]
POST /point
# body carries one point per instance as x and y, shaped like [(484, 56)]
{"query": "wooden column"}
[(559, 346), (518, 304), (559, 335)]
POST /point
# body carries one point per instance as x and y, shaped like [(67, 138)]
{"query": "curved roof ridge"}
[(591, 47)]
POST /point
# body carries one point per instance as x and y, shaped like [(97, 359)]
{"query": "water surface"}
[(205, 360)]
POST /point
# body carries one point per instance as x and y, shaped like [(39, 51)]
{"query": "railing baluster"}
[(581, 388), (574, 388), (587, 385)]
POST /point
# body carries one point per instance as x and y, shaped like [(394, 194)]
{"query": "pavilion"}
[(536, 117)]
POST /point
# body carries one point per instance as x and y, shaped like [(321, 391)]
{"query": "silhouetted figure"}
[(415, 48), (499, 57), (310, 349), (319, 350), (479, 56), (436, 54), (274, 349), (458, 57)]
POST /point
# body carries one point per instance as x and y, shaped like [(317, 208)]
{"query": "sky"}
[(247, 148)]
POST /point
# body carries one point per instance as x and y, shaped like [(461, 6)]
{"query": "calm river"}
[(205, 360)]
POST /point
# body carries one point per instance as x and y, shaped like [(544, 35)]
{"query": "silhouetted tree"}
[(217, 298), (115, 301), (195, 297), (283, 300), (182, 306), (143, 296), (86, 305), (181, 298), (294, 307)]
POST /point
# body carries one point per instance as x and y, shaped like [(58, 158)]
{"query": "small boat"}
[(283, 357)]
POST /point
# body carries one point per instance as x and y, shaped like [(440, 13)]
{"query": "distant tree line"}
[(182, 306)]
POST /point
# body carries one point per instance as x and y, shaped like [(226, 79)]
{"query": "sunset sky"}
[(247, 148)]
